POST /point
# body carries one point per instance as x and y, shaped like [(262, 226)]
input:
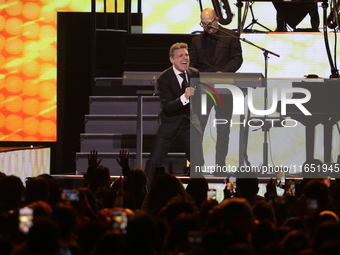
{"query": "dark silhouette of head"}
[(43, 237), (318, 191), (36, 190), (197, 189), (99, 178), (178, 206), (237, 216), (110, 243), (264, 211), (248, 187), (141, 234), (11, 193), (165, 187), (54, 188), (66, 218)]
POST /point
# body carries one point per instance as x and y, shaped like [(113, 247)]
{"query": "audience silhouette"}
[(120, 218)]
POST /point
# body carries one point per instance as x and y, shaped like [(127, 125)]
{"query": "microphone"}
[(189, 84), (211, 26)]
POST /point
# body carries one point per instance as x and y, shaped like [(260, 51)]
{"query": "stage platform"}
[(77, 180)]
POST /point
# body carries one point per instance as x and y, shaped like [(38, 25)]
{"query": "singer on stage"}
[(215, 50), (176, 115)]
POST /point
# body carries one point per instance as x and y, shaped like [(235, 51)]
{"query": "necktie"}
[(184, 82), (184, 85)]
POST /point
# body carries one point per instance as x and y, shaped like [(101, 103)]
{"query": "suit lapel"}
[(174, 82), (190, 74)]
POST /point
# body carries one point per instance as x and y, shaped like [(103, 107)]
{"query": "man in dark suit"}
[(177, 119), (215, 50)]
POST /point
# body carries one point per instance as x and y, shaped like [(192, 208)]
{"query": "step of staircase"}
[(175, 161), (123, 124), (123, 105), (116, 142)]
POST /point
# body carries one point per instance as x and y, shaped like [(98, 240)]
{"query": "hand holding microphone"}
[(189, 91)]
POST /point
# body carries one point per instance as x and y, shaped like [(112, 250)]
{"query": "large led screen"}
[(28, 53)]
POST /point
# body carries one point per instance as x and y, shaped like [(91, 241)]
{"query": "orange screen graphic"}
[(27, 71)]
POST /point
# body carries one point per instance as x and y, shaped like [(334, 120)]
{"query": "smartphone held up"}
[(25, 219)]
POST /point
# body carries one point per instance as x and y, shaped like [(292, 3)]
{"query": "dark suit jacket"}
[(227, 57), (172, 110)]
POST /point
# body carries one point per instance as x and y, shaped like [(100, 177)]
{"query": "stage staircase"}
[(111, 125)]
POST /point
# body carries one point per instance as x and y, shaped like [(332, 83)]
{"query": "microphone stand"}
[(265, 54), (200, 3), (334, 70), (265, 51)]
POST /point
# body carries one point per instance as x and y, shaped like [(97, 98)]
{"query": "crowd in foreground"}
[(44, 217)]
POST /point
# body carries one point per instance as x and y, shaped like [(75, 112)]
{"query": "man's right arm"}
[(235, 58)]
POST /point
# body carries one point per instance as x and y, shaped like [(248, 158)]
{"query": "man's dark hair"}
[(176, 46)]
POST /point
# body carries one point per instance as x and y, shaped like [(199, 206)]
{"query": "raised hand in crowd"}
[(92, 164), (271, 189), (123, 161), (92, 159)]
